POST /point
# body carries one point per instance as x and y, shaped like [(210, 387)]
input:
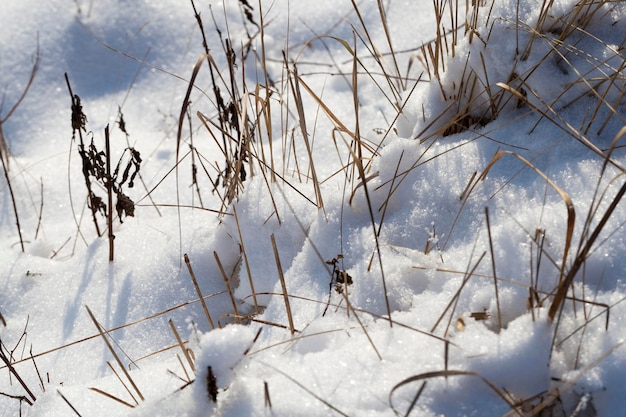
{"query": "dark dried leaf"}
[(120, 122), (79, 120), (134, 164), (97, 204), (211, 385), (247, 10), (124, 206), (480, 315), (343, 277)]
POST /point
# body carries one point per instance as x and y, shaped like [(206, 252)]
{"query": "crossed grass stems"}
[(243, 120)]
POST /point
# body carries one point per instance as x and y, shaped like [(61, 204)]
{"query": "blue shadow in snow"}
[(120, 313), (93, 68), (73, 306)]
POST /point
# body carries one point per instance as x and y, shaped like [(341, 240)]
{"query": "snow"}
[(424, 191)]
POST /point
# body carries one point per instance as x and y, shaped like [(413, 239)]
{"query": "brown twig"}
[(8, 179), (199, 292), (109, 187), (17, 376)]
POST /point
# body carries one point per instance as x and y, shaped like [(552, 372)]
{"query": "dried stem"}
[(109, 186), (8, 179), (200, 297), (283, 285)]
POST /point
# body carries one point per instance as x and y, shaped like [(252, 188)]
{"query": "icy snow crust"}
[(344, 362)]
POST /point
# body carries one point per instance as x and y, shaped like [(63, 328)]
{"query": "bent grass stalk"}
[(446, 374)]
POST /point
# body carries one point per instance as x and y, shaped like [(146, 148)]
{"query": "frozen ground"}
[(137, 57)]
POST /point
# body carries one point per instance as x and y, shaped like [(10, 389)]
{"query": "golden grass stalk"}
[(182, 345), (266, 108), (119, 378), (446, 374), (553, 116), (186, 380), (581, 257), (199, 292), (112, 397), (254, 319), (383, 20), (179, 132), (227, 283), (245, 261), (391, 72), (358, 319), (357, 156), (281, 276), (103, 333)]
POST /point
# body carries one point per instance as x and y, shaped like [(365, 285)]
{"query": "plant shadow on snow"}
[(460, 261), (94, 67)]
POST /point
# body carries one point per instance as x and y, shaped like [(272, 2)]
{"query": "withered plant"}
[(96, 166)]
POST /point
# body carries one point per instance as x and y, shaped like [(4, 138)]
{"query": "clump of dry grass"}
[(480, 94), (478, 97)]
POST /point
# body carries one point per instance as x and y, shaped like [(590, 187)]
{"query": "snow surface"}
[(346, 362)]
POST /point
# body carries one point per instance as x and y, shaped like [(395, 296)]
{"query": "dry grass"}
[(476, 99), (242, 126)]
